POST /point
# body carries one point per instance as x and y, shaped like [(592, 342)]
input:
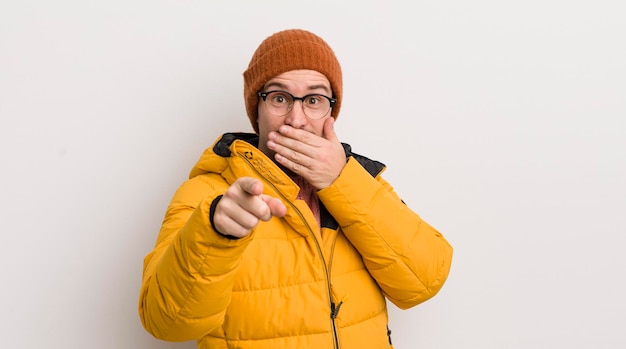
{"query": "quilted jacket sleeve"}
[(408, 258), (189, 265)]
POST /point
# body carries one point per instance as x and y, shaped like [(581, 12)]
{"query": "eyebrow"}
[(284, 87)]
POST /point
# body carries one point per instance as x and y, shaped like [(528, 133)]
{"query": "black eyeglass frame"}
[(331, 100)]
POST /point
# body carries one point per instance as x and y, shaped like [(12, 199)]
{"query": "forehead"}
[(300, 79)]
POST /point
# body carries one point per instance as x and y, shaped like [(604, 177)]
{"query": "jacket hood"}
[(215, 158)]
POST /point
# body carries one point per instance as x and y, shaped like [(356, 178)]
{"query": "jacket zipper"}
[(334, 309)]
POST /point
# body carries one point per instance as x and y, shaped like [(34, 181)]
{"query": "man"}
[(285, 238)]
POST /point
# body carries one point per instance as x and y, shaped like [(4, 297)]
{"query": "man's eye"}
[(314, 101), (279, 99)]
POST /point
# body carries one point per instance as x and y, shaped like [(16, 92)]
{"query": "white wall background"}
[(502, 123)]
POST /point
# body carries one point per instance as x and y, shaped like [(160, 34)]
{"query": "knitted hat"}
[(284, 51)]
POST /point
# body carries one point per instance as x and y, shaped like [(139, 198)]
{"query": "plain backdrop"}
[(502, 123)]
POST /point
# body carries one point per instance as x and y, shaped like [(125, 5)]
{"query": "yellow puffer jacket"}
[(290, 283)]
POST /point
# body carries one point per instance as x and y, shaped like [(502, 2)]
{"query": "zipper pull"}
[(334, 310)]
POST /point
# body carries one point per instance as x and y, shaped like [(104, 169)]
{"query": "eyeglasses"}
[(315, 106)]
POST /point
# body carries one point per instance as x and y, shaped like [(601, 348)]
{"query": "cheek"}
[(318, 127), (268, 123)]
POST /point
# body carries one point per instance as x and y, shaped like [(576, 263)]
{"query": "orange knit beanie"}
[(284, 51)]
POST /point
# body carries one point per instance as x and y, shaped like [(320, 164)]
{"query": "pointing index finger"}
[(251, 185)]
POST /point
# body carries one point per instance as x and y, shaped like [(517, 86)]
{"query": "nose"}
[(296, 117)]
